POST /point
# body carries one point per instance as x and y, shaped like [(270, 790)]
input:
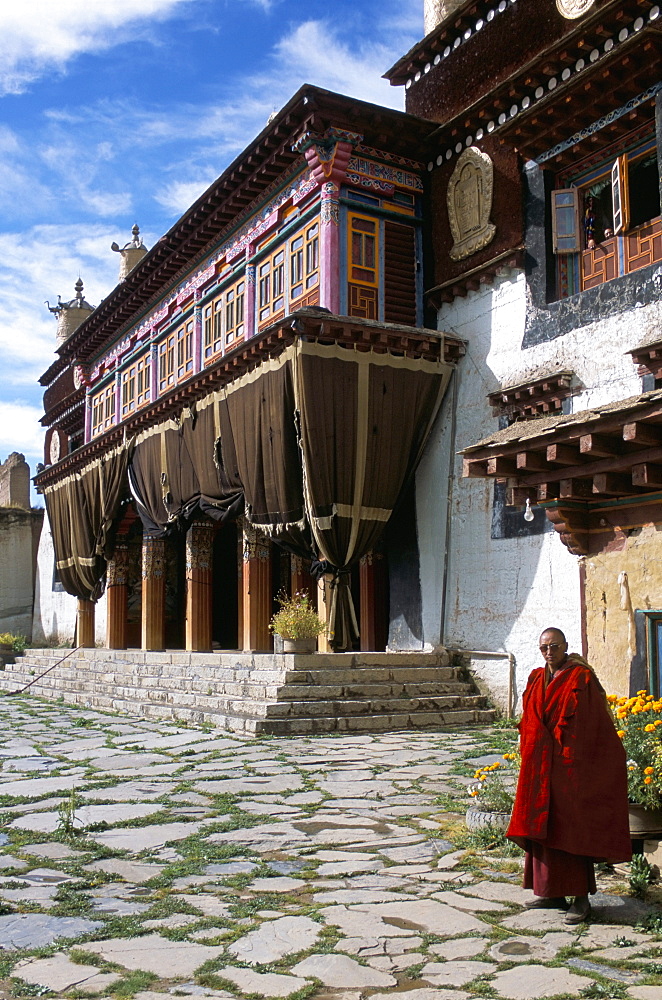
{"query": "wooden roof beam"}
[(600, 446), (639, 433)]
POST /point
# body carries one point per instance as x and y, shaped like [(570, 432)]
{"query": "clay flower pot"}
[(645, 823)]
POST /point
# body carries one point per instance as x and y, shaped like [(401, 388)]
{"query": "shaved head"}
[(556, 632)]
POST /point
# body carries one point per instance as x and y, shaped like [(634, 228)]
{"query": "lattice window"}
[(136, 385), (304, 264), (362, 301), (234, 313), (167, 363), (611, 216), (103, 409), (363, 250), (185, 350)]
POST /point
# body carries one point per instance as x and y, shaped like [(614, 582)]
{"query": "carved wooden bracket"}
[(572, 526)]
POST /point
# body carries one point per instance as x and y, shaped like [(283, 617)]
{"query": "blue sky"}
[(123, 112)]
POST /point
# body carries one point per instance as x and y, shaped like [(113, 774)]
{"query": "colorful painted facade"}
[(506, 229)]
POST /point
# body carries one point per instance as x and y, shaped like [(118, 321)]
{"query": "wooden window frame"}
[(235, 305), (167, 363), (362, 266), (562, 200), (185, 339), (103, 409), (136, 385)]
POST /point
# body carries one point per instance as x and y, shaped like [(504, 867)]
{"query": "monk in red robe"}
[(571, 806)]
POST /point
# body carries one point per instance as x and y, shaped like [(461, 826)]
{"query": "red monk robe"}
[(572, 789)]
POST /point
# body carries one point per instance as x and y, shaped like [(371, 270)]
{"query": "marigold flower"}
[(648, 780), (650, 728), (621, 733), (648, 770), (643, 691)]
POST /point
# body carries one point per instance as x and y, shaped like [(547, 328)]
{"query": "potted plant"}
[(493, 793), (639, 723), (10, 644), (297, 623)]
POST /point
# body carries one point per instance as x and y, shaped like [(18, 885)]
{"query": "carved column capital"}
[(328, 155)]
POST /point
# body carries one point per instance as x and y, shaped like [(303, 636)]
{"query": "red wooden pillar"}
[(199, 543), (85, 624), (153, 593), (256, 594), (373, 611), (301, 581), (116, 591)]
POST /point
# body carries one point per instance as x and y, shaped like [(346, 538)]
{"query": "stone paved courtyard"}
[(146, 859)]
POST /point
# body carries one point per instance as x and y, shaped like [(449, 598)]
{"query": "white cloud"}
[(20, 429), (39, 264), (43, 35)]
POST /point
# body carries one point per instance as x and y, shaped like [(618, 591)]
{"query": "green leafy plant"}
[(296, 619), (641, 875), (17, 642), (495, 784), (66, 814), (611, 990)]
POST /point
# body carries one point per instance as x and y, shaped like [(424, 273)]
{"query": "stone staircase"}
[(271, 693)]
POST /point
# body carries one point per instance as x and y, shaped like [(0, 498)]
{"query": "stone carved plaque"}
[(55, 447), (572, 9), (469, 199)]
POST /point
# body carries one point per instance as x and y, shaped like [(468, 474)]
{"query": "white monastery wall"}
[(501, 593), (54, 622)]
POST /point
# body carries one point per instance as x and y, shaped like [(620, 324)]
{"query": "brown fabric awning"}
[(81, 509), (313, 445)]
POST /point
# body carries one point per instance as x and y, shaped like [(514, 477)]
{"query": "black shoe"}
[(547, 903)]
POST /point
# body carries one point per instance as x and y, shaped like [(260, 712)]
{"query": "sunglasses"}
[(549, 645)]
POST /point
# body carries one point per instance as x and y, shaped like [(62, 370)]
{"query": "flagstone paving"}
[(153, 860)]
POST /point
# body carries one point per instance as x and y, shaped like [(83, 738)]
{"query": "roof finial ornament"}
[(70, 314), (131, 252)]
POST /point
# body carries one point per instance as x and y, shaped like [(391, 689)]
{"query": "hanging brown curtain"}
[(174, 472), (81, 509), (259, 441), (364, 420)]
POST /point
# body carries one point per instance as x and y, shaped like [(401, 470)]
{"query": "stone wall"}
[(615, 630), (18, 532), (15, 482)]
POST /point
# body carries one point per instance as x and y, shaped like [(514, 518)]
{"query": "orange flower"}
[(647, 781), (648, 770), (621, 733), (650, 728)]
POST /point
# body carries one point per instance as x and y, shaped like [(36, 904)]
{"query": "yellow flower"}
[(643, 691), (647, 781), (621, 733), (650, 728), (648, 770), (658, 722)]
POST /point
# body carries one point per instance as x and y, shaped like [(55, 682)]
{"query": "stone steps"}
[(269, 693)]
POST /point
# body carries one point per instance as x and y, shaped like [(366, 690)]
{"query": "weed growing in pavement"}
[(66, 814), (19, 988), (133, 982), (594, 991), (641, 875)]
